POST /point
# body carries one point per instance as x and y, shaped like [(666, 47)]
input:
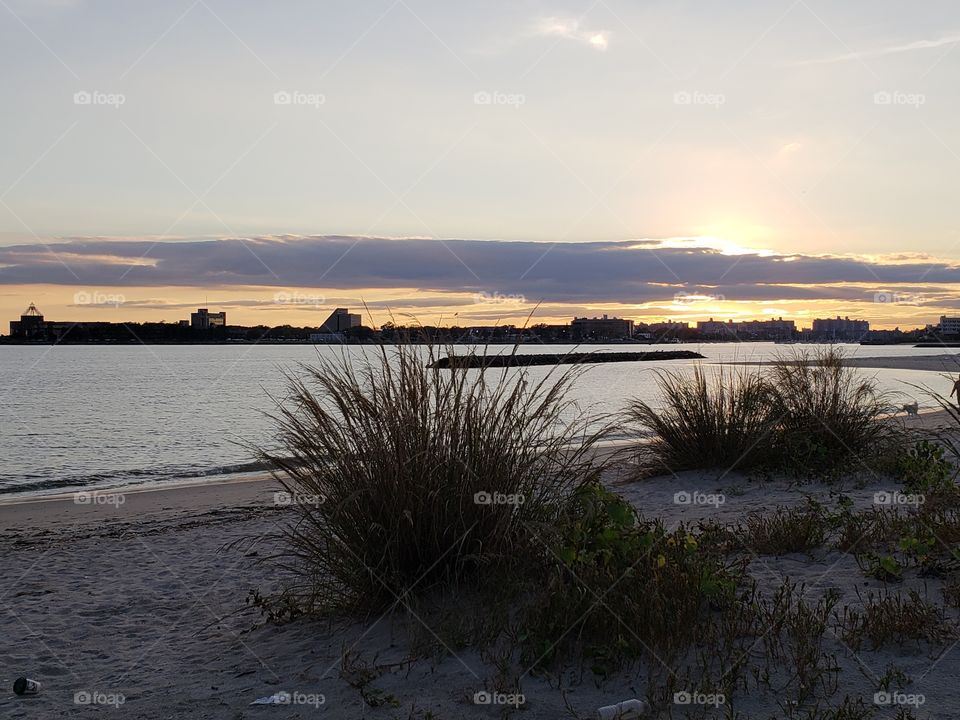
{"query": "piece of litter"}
[(26, 686), (281, 698), (623, 710)]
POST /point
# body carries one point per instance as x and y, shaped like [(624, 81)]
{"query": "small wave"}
[(45, 484)]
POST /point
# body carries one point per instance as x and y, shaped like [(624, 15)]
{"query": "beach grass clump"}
[(895, 618), (829, 416), (809, 413), (724, 419), (785, 530), (407, 478)]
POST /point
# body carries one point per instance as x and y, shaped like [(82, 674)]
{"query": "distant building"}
[(948, 325), (33, 326), (772, 329), (203, 319), (668, 326), (325, 337), (605, 328), (716, 327), (30, 325), (341, 319), (839, 328)]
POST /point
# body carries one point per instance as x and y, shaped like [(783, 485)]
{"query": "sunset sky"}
[(469, 162)]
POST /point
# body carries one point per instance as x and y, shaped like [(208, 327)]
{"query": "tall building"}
[(30, 324), (605, 328), (341, 319), (772, 329), (948, 325), (669, 325), (716, 327), (839, 328), (203, 319)]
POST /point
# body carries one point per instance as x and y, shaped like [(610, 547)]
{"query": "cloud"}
[(622, 272), (951, 39), (570, 29)]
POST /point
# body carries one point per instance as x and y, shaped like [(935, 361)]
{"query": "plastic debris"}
[(26, 686), (623, 710), (280, 698)]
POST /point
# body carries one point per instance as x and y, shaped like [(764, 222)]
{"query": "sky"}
[(476, 163)]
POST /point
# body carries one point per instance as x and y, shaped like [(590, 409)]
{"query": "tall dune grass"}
[(707, 421), (391, 463), (828, 413), (809, 412)]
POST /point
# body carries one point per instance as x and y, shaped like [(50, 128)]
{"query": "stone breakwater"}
[(511, 360)]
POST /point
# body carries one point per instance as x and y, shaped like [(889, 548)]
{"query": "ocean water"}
[(85, 417)]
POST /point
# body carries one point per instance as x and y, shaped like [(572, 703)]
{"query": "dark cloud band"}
[(568, 272)]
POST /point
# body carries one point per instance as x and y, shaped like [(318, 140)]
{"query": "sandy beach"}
[(143, 600), (946, 363)]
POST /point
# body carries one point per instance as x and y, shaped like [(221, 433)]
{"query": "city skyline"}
[(755, 160), (197, 319)]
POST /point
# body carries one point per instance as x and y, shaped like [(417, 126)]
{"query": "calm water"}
[(85, 416)]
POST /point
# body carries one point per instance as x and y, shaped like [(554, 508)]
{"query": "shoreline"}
[(947, 362), (927, 419), (255, 485)]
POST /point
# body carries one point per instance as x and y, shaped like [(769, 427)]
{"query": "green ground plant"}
[(623, 588), (925, 469)]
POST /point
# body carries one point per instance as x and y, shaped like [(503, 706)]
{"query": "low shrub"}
[(784, 531), (924, 469), (808, 413), (405, 477), (724, 420), (828, 415), (893, 618), (623, 588)]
